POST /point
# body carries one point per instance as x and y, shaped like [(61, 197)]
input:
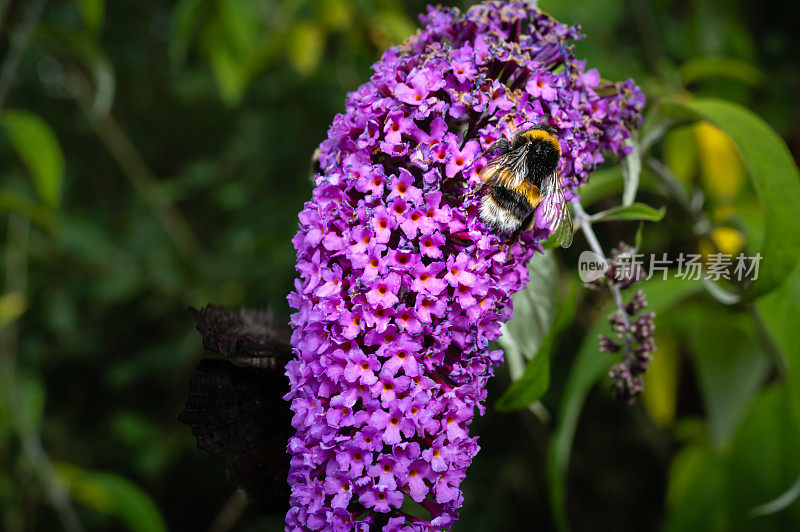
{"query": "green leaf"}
[(730, 362), (93, 12), (589, 366), (778, 312), (601, 183), (231, 41), (775, 178), (722, 291), (34, 210), (32, 398), (764, 463), (535, 380), (529, 388), (534, 313), (114, 495), (716, 490), (660, 396), (28, 395), (720, 67), (696, 480), (37, 146), (186, 19), (637, 239), (636, 211), (783, 501)]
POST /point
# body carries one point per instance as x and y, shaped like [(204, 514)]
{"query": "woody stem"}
[(585, 224)]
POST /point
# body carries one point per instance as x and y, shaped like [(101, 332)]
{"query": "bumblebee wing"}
[(509, 169), (554, 211)]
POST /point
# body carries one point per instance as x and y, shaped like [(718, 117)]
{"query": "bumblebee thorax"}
[(542, 158), (543, 148)]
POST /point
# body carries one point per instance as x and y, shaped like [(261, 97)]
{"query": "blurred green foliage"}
[(154, 155)]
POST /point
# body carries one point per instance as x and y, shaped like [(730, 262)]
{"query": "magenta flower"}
[(459, 158), (426, 278), (401, 286), (540, 85)]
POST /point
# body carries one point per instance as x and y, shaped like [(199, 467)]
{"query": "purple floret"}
[(402, 287)]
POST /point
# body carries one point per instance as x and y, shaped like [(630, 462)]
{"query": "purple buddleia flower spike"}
[(401, 286), (632, 328)]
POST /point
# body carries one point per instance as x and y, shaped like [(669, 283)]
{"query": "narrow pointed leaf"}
[(637, 211), (37, 147)]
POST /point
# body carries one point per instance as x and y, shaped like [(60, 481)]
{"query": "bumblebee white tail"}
[(493, 215)]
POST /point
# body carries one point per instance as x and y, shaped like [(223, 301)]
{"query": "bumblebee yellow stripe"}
[(540, 134), (531, 193)]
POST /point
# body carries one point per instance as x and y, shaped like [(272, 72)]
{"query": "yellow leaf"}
[(705, 247), (661, 381), (12, 306), (723, 240), (728, 240), (721, 170), (680, 153), (337, 14), (306, 46)]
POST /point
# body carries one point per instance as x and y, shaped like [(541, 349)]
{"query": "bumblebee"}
[(314, 164), (522, 180)]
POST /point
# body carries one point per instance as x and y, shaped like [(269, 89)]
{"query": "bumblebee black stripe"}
[(517, 204)]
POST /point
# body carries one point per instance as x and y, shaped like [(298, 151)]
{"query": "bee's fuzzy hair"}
[(493, 215)]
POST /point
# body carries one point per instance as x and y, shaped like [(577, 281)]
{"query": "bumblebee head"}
[(548, 128), (544, 150)]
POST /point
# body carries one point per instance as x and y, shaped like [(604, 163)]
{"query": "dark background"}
[(182, 186)]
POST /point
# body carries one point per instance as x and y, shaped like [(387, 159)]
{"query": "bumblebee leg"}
[(474, 192), (514, 238), (526, 225)]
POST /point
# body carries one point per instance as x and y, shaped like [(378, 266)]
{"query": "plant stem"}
[(140, 176), (230, 512), (585, 223)]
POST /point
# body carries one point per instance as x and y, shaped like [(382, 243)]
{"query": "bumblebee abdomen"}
[(505, 209), (495, 216)]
